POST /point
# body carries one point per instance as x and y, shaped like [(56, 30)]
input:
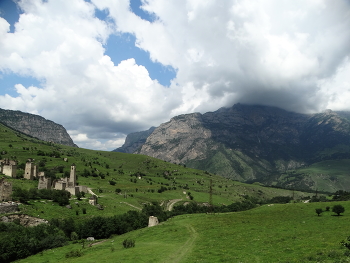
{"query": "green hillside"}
[(270, 233), (125, 170)]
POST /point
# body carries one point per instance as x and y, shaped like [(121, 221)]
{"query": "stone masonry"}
[(8, 167), (5, 190)]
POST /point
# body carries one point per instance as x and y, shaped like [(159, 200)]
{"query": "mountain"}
[(257, 144), (134, 141), (36, 126)]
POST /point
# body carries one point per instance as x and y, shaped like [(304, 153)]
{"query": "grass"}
[(275, 233), (120, 167)]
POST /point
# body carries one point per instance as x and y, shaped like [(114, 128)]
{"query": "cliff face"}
[(36, 126), (134, 141), (250, 143)]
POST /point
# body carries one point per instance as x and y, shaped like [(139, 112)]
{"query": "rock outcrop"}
[(24, 220), (36, 126)]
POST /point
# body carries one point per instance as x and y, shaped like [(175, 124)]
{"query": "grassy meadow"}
[(270, 233)]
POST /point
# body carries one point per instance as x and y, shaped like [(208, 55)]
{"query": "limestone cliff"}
[(36, 126)]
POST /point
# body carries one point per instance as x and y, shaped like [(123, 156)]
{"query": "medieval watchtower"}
[(72, 178), (30, 170)]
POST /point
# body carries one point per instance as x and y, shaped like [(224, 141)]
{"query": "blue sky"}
[(124, 41), (105, 68)]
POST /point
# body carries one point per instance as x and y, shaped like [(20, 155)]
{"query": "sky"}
[(106, 68)]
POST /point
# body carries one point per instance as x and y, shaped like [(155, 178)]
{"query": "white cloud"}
[(291, 54), (232, 51)]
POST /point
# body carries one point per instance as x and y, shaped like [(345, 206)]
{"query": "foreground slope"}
[(270, 233)]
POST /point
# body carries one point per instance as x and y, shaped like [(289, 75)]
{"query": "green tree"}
[(338, 209), (319, 211)]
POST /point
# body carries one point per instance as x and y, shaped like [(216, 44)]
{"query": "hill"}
[(258, 144), (270, 233), (36, 126), (122, 181)]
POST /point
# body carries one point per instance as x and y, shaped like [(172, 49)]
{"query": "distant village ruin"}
[(9, 168)]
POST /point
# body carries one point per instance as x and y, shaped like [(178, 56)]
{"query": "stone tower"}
[(72, 178), (29, 170), (5, 190), (152, 221), (8, 167)]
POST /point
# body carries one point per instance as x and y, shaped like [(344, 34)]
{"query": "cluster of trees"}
[(338, 209), (193, 208), (17, 241), (86, 173), (54, 154), (341, 196), (23, 195)]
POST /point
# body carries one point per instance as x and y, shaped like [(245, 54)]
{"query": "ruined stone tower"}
[(44, 183), (72, 178), (8, 167), (29, 170), (152, 221), (5, 190)]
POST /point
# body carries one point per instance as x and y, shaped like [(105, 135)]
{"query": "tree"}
[(78, 195), (319, 211), (338, 209)]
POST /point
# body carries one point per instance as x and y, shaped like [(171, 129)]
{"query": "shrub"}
[(112, 182), (128, 243), (338, 209), (319, 211)]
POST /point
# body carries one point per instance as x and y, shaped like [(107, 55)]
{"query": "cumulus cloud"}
[(290, 54), (272, 53)]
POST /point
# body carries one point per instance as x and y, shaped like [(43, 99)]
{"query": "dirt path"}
[(185, 248), (97, 243), (91, 192), (171, 203)]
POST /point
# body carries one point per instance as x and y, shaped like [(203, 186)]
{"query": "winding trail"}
[(91, 192), (186, 248), (171, 203)]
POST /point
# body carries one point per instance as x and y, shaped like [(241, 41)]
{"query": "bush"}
[(112, 182), (128, 243), (319, 211), (338, 209)]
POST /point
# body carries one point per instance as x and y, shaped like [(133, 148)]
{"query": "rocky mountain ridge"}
[(250, 143), (36, 126)]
